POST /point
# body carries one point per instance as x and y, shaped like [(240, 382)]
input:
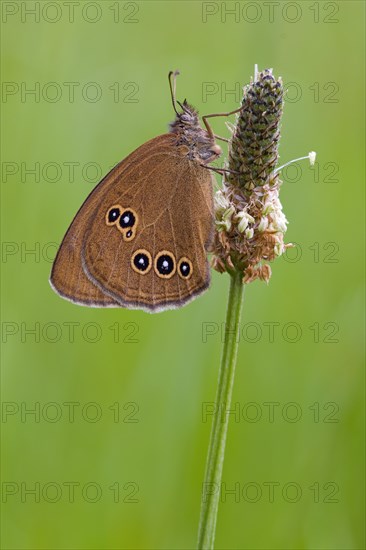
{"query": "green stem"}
[(216, 453)]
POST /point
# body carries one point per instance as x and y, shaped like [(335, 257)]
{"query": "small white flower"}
[(244, 220), (227, 215), (221, 202), (263, 224), (242, 225), (223, 225), (227, 224), (276, 201), (312, 157), (249, 233), (267, 208), (279, 248), (279, 222), (224, 218)]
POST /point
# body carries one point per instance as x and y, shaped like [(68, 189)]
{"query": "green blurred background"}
[(138, 383)]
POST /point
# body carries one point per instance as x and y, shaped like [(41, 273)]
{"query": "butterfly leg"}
[(208, 127), (219, 170), (221, 138)]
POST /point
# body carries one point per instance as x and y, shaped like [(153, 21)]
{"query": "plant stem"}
[(216, 453)]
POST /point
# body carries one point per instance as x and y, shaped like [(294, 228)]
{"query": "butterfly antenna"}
[(172, 85)]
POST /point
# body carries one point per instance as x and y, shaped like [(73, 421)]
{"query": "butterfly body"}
[(140, 239)]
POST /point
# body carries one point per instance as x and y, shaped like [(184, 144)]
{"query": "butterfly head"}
[(201, 146)]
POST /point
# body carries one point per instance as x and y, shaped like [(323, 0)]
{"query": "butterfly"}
[(140, 240)]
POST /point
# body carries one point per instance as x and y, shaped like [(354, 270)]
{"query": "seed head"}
[(249, 217)]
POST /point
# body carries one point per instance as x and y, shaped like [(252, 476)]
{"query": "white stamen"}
[(311, 157)]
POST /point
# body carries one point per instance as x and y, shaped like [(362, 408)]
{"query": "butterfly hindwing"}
[(68, 277), (159, 261)]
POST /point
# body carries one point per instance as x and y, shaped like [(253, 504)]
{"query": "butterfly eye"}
[(185, 268), (141, 261), (127, 219), (165, 264), (113, 214), (216, 150)]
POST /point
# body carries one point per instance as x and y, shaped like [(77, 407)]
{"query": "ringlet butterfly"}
[(140, 239)]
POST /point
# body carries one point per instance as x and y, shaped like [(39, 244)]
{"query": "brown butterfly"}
[(140, 239)]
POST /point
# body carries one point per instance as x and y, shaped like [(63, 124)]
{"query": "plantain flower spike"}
[(250, 221)]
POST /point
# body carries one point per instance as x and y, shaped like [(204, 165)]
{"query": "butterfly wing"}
[(148, 237), (68, 277)]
